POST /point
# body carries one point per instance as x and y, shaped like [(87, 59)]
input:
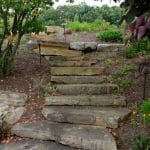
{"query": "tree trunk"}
[(7, 61), (7, 57)]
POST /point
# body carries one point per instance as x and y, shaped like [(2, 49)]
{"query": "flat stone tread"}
[(86, 100), (57, 51), (79, 79), (109, 117), (13, 98), (77, 136), (94, 89), (34, 145), (77, 71), (71, 63)]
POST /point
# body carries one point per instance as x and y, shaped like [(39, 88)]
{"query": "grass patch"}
[(97, 25)]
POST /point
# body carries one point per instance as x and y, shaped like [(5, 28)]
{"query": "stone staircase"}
[(80, 115)]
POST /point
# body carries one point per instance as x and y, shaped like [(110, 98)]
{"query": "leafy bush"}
[(141, 47), (111, 36), (140, 142), (121, 77), (145, 108), (97, 25)]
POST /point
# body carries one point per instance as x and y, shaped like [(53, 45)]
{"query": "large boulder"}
[(77, 46), (84, 46), (11, 106)]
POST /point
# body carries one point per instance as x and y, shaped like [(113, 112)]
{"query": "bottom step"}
[(83, 137), (34, 145)]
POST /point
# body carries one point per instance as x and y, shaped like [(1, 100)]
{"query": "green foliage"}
[(82, 13), (43, 88), (111, 36), (140, 142), (145, 108), (17, 18), (97, 25), (142, 47), (121, 72), (122, 79)]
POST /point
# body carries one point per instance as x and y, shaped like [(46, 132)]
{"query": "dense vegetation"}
[(81, 13)]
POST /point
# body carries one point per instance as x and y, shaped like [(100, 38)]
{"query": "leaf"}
[(141, 32), (140, 21)]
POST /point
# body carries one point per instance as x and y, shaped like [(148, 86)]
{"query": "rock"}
[(77, 71), (83, 46), (13, 98), (109, 47), (86, 115), (90, 89), (90, 46), (11, 106), (13, 115), (79, 79), (85, 100), (34, 145), (77, 136), (77, 46), (32, 45)]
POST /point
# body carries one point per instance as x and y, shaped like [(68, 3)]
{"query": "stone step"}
[(91, 89), (85, 100), (107, 117), (34, 145), (57, 51), (77, 136), (71, 63), (77, 71), (13, 98), (79, 79)]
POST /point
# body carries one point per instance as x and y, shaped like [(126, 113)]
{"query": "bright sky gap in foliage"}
[(89, 2)]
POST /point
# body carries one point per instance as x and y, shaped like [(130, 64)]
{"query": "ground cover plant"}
[(111, 35)]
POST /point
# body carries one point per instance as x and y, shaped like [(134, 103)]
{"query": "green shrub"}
[(145, 108), (135, 48), (140, 142), (122, 79), (111, 36), (97, 25)]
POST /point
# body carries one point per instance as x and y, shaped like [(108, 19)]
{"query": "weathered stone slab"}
[(77, 71), (13, 98), (85, 100), (99, 117), (34, 145), (83, 46), (94, 89), (77, 46), (79, 79), (110, 47), (58, 52), (10, 115), (72, 63), (84, 137), (13, 115), (11, 106)]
